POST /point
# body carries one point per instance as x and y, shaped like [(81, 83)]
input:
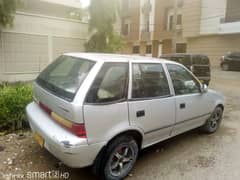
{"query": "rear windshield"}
[(64, 76)]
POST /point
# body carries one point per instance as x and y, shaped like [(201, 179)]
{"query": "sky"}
[(85, 3)]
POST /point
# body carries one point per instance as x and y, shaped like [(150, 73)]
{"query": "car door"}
[(151, 104), (235, 60), (192, 107)]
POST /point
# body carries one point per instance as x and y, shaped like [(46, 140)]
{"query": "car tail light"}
[(77, 129), (45, 108)]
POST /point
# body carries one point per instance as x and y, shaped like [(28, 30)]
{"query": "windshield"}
[(200, 60), (64, 76)]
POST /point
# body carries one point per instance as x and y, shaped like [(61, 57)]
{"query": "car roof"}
[(182, 54), (117, 58)]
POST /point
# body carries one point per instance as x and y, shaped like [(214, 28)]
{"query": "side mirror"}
[(204, 88)]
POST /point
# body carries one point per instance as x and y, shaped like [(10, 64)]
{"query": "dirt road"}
[(189, 156)]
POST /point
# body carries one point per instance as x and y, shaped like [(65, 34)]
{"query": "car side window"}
[(149, 81), (183, 81), (110, 84)]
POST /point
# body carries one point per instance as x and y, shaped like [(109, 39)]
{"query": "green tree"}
[(103, 15), (7, 8)]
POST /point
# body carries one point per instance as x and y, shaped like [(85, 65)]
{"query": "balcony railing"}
[(229, 27)]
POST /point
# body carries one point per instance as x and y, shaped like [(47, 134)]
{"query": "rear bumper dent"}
[(71, 150)]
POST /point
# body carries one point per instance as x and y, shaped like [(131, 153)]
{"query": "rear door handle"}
[(140, 113), (182, 106)]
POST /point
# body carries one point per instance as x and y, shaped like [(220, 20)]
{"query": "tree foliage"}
[(7, 8), (103, 15)]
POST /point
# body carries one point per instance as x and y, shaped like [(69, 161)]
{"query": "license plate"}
[(38, 138), (202, 81)]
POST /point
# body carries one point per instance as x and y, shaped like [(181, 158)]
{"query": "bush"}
[(13, 100)]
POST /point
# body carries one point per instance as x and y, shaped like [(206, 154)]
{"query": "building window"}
[(181, 48), (136, 50), (149, 49), (179, 19), (170, 23), (126, 28), (170, 13)]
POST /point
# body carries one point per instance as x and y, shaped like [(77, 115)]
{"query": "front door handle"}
[(140, 113), (182, 106)]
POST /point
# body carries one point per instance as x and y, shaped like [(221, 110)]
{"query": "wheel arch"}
[(221, 106), (136, 134)]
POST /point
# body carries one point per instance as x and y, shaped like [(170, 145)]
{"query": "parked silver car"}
[(101, 109)]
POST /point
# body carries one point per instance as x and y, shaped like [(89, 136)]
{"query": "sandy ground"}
[(189, 156)]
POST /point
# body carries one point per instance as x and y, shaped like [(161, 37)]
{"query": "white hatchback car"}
[(101, 109)]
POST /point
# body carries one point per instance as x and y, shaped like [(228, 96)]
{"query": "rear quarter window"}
[(110, 84)]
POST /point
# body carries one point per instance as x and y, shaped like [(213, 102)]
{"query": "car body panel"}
[(63, 108), (159, 116), (197, 109), (103, 122), (60, 142), (100, 125)]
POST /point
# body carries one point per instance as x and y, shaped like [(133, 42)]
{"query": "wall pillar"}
[(143, 48), (155, 46)]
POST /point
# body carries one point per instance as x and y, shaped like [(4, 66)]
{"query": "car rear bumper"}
[(70, 149)]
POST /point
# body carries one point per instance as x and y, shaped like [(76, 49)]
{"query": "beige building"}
[(210, 27), (147, 26), (42, 30), (216, 30)]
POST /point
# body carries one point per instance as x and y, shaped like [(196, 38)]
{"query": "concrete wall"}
[(214, 46), (211, 13), (167, 46), (131, 14), (34, 41), (160, 32), (191, 18)]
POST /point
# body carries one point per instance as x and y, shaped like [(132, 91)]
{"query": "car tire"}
[(117, 159), (225, 67), (213, 123)]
